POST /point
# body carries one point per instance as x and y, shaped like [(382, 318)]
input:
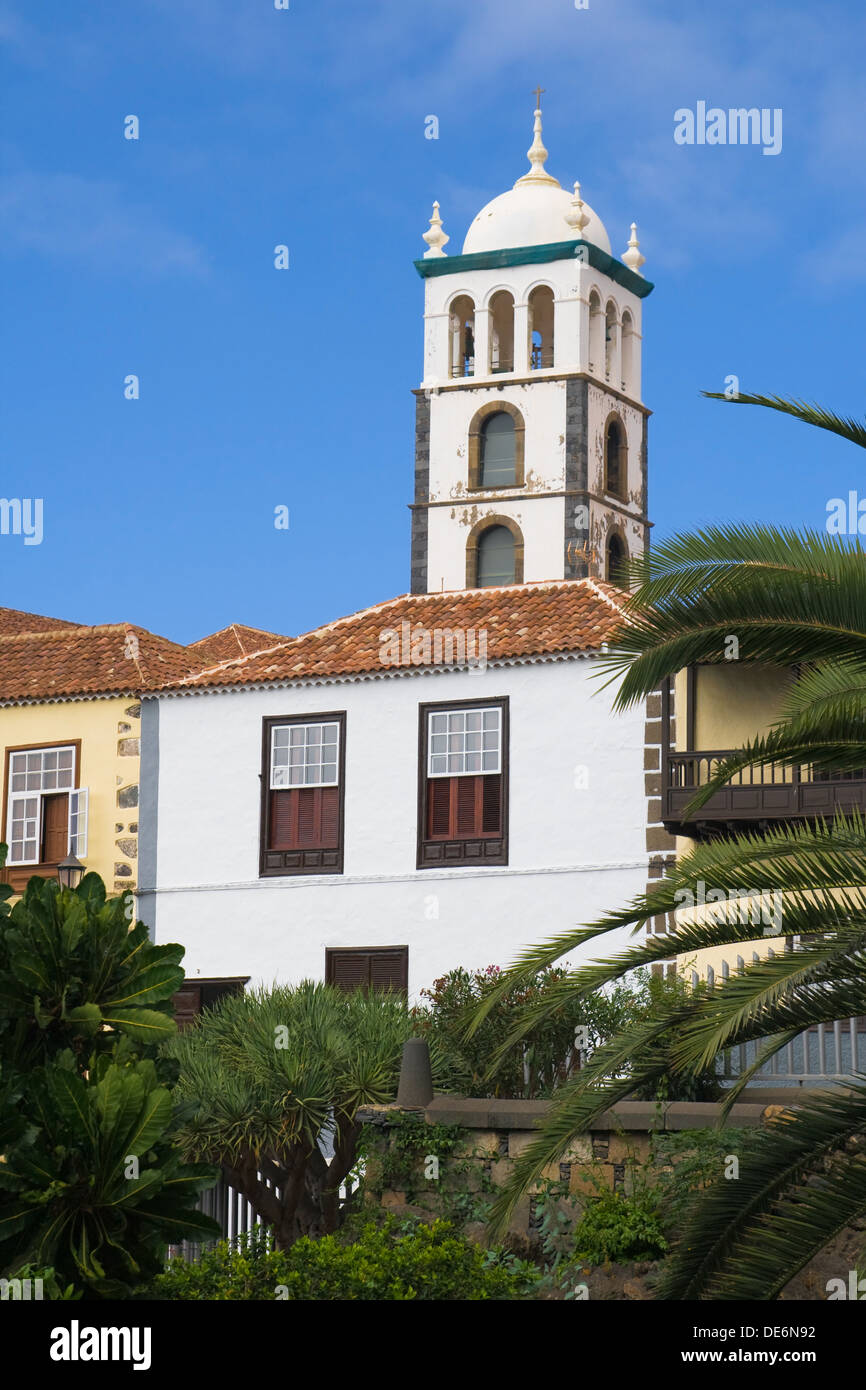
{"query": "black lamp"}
[(70, 872)]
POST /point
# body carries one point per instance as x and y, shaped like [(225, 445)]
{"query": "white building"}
[(439, 780)]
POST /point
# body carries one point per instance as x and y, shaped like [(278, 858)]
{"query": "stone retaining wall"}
[(497, 1132)]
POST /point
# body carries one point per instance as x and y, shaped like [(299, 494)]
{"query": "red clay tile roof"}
[(235, 640), (69, 660), (13, 622), (520, 621)]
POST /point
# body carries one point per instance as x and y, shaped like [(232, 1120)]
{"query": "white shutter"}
[(78, 822)]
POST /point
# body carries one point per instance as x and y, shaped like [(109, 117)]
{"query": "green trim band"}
[(535, 255)]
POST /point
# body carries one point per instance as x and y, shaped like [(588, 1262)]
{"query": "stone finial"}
[(435, 236), (632, 257), (537, 154), (577, 216)]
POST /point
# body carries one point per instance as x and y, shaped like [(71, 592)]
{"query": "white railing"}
[(820, 1055), (235, 1215)]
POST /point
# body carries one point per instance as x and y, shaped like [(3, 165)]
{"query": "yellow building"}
[(706, 713), (70, 722)]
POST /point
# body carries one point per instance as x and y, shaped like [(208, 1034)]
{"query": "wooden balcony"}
[(768, 793)]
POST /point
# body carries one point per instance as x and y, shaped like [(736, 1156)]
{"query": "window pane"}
[(472, 744), (498, 451), (495, 557), (305, 755)]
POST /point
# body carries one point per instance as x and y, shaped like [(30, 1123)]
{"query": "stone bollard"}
[(415, 1090)]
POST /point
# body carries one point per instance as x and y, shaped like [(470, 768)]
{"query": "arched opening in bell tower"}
[(462, 321), (611, 330), (629, 385), (596, 333), (502, 332), (541, 328)]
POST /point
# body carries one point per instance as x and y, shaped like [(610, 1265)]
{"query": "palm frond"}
[(810, 414), (798, 1186)]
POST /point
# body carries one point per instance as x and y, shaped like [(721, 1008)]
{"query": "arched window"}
[(502, 332), (628, 383), (495, 557), (498, 451), (615, 560), (541, 328), (614, 458), (611, 329), (463, 336), (596, 334)]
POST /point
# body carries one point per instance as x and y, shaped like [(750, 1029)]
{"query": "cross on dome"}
[(537, 154)]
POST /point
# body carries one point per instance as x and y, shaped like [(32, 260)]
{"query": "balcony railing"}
[(464, 367), (770, 791)]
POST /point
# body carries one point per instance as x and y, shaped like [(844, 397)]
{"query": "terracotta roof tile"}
[(235, 640), (520, 621), (13, 622), (69, 660)]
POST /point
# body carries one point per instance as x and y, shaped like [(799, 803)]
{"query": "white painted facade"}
[(576, 826)]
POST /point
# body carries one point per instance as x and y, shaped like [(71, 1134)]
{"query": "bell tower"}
[(531, 434)]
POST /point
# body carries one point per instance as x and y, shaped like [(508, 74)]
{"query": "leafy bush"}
[(368, 1261), (615, 1227), (91, 1183), (533, 1067)]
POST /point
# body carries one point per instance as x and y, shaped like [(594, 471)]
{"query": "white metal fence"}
[(821, 1055), (234, 1213)]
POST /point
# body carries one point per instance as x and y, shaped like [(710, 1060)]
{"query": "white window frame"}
[(304, 725), (79, 802), (15, 796), (462, 752)]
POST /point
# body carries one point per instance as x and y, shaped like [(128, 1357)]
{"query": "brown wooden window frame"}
[(332, 952), (209, 990), (276, 863), (473, 851), (19, 875)]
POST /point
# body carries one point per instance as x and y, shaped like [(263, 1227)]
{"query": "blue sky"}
[(262, 388)]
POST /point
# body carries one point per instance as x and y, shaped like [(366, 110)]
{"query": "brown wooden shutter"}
[(439, 808), (55, 828), (382, 968), (491, 811), (465, 811), (305, 818), (388, 969), (463, 808)]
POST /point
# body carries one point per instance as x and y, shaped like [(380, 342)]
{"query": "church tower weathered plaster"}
[(531, 434)]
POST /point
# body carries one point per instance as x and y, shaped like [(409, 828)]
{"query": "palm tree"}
[(793, 600)]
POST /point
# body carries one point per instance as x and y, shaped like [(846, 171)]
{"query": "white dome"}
[(530, 214)]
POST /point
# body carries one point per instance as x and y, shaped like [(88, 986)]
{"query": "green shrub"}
[(616, 1227), (686, 1161), (537, 1064), (370, 1261)]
